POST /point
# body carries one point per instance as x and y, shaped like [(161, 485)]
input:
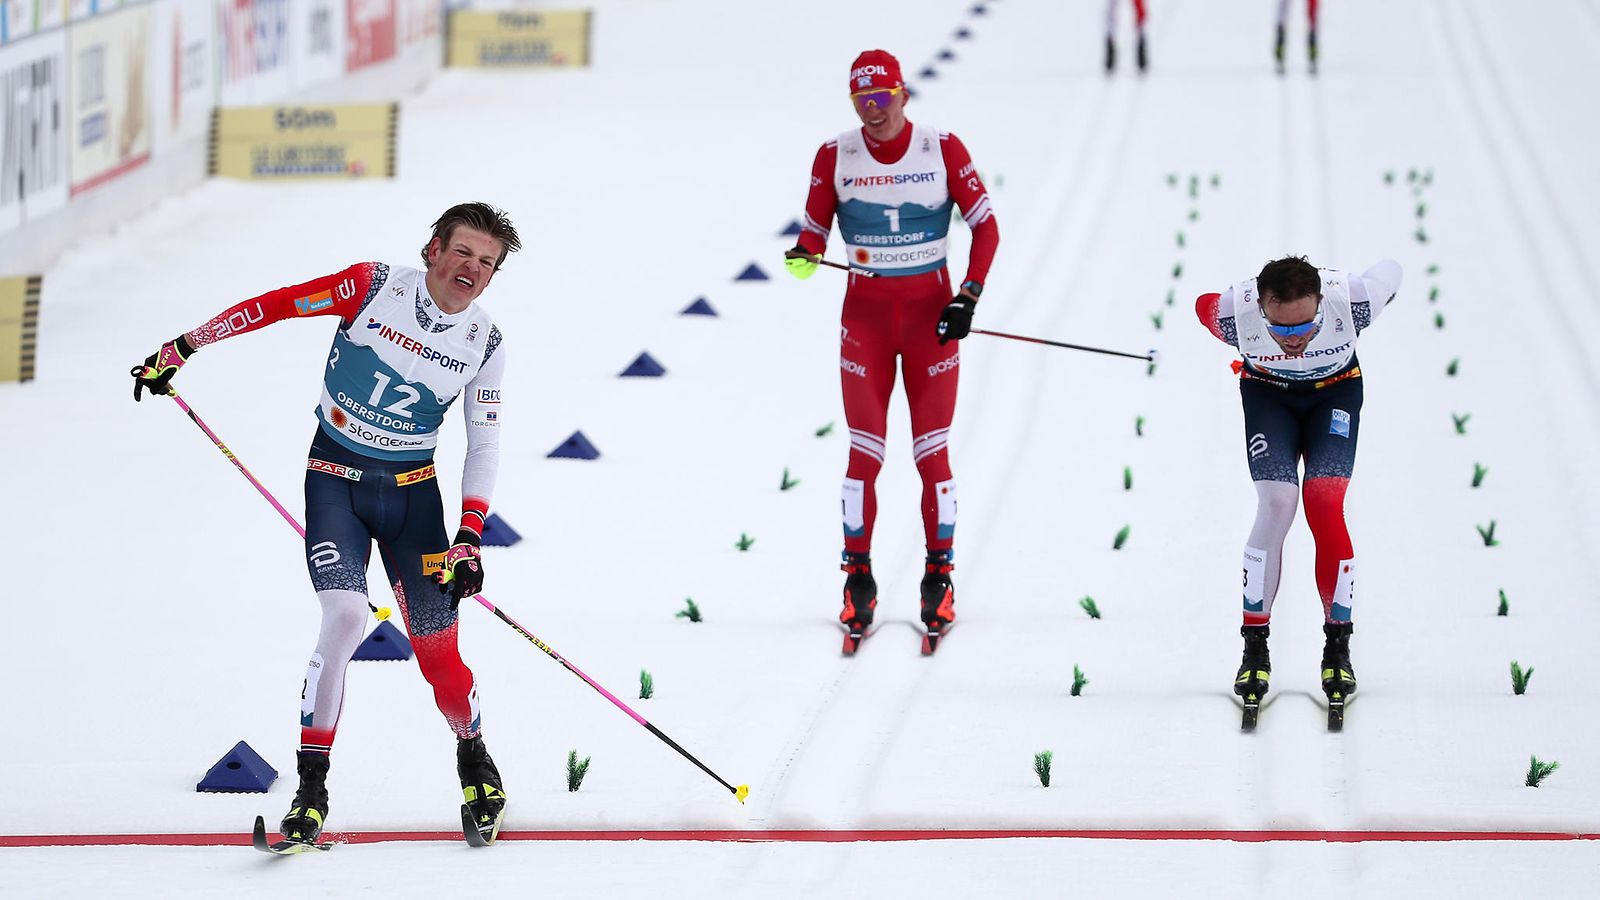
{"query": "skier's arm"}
[(341, 294), (967, 189), (482, 412), (821, 201), (1216, 314), (1373, 290)]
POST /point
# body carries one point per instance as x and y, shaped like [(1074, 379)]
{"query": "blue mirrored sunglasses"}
[(1294, 330)]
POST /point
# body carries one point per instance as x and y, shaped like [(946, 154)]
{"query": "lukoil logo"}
[(853, 367)]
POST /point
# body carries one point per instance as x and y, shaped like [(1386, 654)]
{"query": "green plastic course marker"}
[(1388, 177), (1438, 321), (1171, 292), (1433, 269), (1121, 538), (647, 685), (1090, 607), (1478, 471), (690, 611), (1194, 185), (1041, 766), (1127, 478), (1538, 770), (1461, 422), (1177, 270), (1194, 215), (1519, 678), (745, 541), (787, 482), (1138, 426), (1078, 681), (1505, 605), (1422, 236), (1453, 368), (576, 770), (1433, 294), (1487, 534), (1180, 240), (1216, 179), (1422, 210), (1155, 319), (1172, 179), (825, 430)]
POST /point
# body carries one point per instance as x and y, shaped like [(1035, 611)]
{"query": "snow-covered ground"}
[(161, 611)]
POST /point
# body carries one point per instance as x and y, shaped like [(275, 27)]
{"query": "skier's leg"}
[(866, 378), (932, 372), (1331, 428), (412, 548), (1272, 442), (338, 545)]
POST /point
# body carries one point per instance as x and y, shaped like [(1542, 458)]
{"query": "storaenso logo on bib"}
[(900, 257)]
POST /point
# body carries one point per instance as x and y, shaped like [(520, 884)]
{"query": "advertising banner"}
[(16, 19), (110, 99), (318, 41), (518, 39), (34, 112), (19, 327), (305, 142), (254, 59), (420, 20), (369, 32), (181, 53)]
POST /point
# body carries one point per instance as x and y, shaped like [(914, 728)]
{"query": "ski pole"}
[(740, 792), (1147, 357), (382, 612), (864, 273)]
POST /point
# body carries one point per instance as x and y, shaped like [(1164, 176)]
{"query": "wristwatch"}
[(975, 288)]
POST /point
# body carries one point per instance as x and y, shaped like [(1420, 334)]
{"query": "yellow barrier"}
[(19, 326), (517, 39), (279, 142)]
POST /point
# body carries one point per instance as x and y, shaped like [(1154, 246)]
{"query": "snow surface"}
[(163, 612)]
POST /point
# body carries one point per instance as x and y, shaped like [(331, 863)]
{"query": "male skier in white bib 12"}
[(409, 343)]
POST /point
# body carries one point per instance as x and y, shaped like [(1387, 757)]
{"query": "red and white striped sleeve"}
[(821, 201), (966, 188), (341, 294)]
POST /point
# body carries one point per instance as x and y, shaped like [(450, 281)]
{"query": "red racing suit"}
[(894, 200)]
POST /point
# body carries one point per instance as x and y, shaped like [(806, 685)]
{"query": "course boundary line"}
[(818, 836)]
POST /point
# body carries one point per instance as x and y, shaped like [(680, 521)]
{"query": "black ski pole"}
[(1147, 357)]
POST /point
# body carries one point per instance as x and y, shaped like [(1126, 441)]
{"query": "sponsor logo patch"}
[(1340, 424), (315, 303), (488, 395)]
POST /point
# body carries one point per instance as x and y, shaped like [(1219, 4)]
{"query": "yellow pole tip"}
[(742, 792), (383, 614)]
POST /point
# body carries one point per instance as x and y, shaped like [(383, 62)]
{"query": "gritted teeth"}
[(463, 280)]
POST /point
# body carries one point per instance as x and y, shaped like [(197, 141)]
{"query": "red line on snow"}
[(813, 836)]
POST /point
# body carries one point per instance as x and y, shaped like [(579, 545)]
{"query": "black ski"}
[(480, 834), (1252, 711), (258, 839), (1337, 701)]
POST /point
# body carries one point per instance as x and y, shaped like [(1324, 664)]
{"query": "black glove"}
[(955, 322), (159, 367), (463, 568)]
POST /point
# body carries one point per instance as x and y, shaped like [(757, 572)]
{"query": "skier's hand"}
[(955, 322), (463, 569), (800, 262), (155, 375)]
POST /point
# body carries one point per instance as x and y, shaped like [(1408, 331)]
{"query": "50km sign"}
[(274, 142)]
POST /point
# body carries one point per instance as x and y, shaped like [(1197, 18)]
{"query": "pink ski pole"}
[(740, 792)]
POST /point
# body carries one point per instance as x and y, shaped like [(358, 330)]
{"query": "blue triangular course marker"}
[(751, 272), (928, 73), (239, 771), (980, 10), (575, 447), (792, 229), (496, 533), (698, 308), (643, 367), (946, 55), (385, 643), (963, 33)]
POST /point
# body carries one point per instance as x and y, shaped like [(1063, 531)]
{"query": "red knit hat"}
[(875, 69)]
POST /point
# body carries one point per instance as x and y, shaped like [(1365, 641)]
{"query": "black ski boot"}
[(860, 592), (1111, 55), (1338, 676), (485, 804), (1256, 666), (1277, 50), (1139, 54), (938, 593), (1311, 51), (310, 807)]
